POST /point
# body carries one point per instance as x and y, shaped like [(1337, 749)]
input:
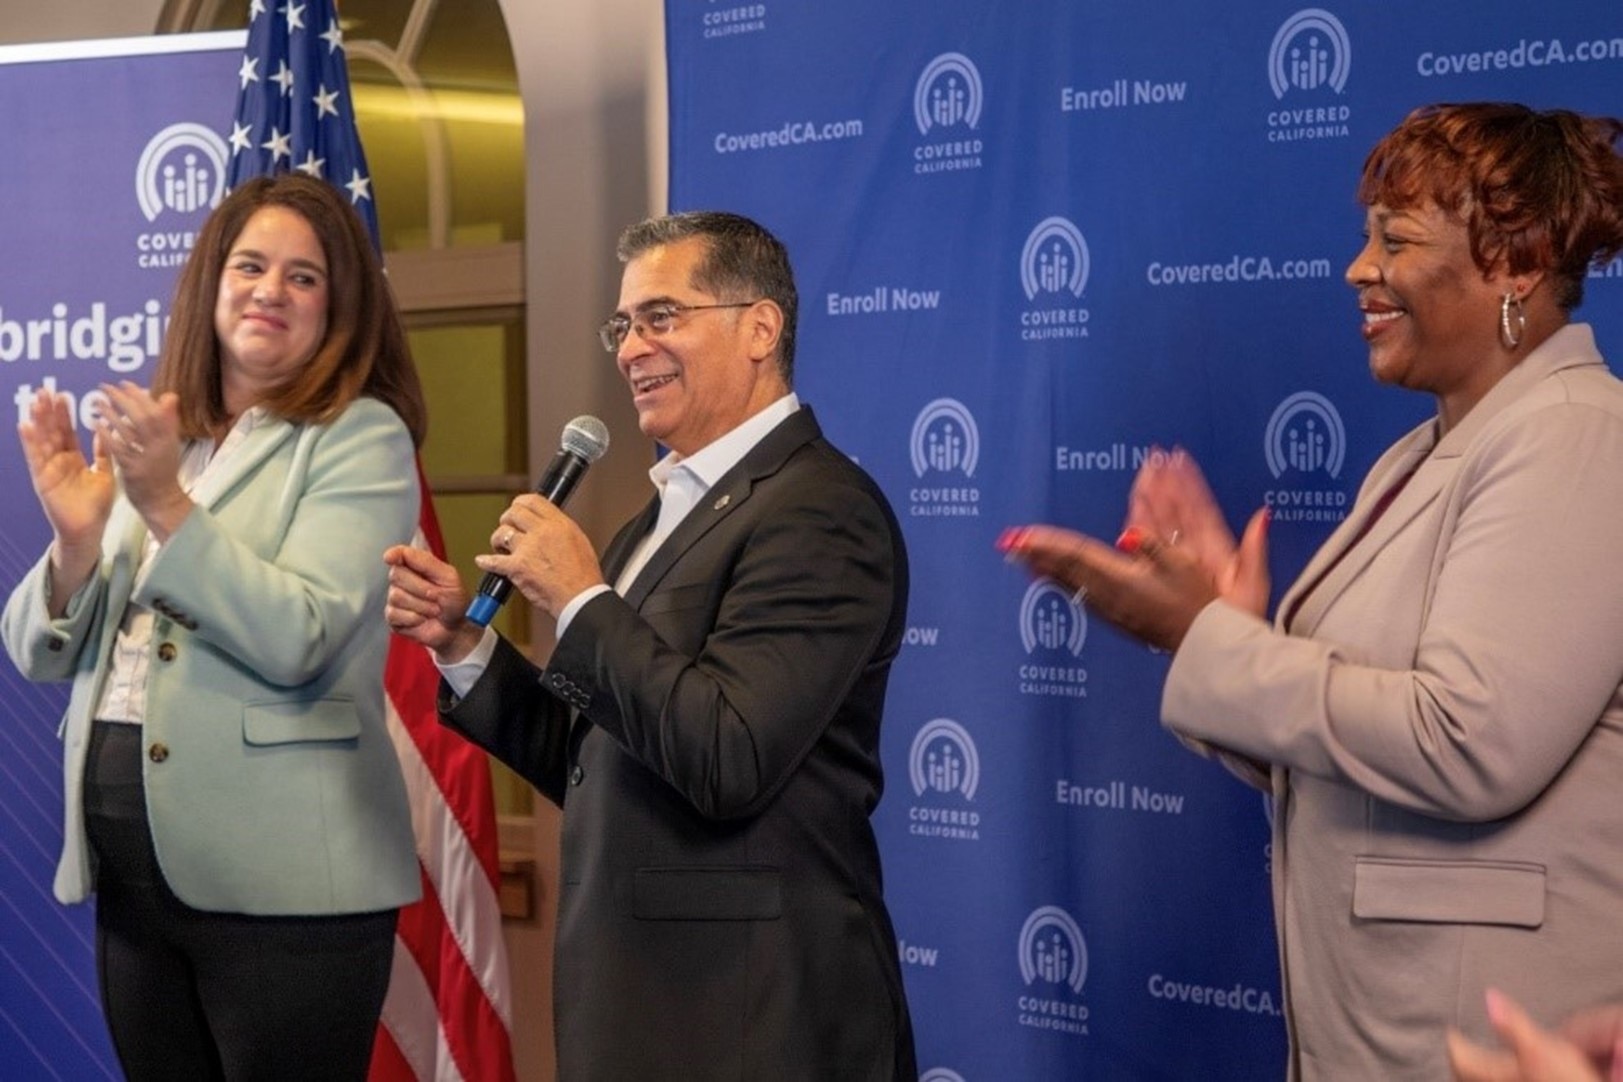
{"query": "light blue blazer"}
[(272, 786)]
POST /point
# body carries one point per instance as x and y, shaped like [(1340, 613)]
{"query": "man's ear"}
[(764, 321)]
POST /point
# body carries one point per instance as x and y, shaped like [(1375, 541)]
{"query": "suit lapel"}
[(268, 435), (1394, 463), (728, 494), (1435, 462), (624, 543), (1366, 539), (131, 537), (724, 497)]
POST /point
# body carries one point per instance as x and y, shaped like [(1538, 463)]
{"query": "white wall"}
[(29, 21)]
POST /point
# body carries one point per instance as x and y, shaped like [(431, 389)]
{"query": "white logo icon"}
[(943, 759), (948, 93), (1311, 50), (1050, 619), (945, 439), (1055, 259), (1052, 949), (182, 169), (1305, 434)]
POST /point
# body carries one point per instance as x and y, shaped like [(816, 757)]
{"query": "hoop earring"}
[(1510, 309)]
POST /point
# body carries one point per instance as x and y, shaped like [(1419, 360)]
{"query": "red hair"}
[(1537, 191)]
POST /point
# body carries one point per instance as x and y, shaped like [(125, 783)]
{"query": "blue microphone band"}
[(482, 609)]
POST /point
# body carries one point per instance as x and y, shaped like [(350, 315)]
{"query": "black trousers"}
[(195, 995)]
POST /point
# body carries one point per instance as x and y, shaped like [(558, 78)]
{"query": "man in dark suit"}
[(710, 723)]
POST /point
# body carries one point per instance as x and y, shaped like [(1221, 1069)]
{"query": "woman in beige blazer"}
[(1436, 706), (213, 592)]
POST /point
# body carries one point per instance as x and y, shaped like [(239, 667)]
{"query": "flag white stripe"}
[(411, 1015), (468, 899)]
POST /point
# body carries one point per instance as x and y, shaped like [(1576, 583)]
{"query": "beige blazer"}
[(1445, 724)]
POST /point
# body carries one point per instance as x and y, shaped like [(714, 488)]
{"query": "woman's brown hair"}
[(364, 352)]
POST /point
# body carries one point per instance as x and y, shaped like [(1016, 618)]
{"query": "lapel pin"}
[(723, 502)]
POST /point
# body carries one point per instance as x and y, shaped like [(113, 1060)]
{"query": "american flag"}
[(448, 1013), (293, 105)]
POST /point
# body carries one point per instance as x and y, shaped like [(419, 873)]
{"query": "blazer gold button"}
[(166, 651), (158, 752)]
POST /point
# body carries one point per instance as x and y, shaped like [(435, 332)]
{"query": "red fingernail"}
[(1131, 540), (1010, 538)]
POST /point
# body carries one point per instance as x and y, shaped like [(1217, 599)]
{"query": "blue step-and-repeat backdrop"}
[(1035, 240)]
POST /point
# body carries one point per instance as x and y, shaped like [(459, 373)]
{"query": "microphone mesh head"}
[(587, 437)]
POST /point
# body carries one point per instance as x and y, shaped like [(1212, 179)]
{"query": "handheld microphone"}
[(583, 442)]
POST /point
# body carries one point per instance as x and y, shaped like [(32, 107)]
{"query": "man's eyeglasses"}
[(651, 322)]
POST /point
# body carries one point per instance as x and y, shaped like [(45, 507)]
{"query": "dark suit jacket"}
[(713, 738)]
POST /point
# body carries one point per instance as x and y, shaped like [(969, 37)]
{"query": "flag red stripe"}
[(388, 1065)]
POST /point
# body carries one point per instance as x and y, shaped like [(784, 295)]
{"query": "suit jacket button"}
[(166, 651), (158, 752), (576, 775)]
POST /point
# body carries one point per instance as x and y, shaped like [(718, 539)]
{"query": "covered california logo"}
[(1310, 50), (181, 173), (947, 101), (1053, 955), (182, 169), (943, 759), (1052, 622), (943, 763), (1054, 268), (1051, 619), (948, 94), (1306, 441), (1308, 64), (945, 442), (1305, 435)]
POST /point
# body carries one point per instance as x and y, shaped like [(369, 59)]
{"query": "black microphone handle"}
[(557, 484), (563, 474)]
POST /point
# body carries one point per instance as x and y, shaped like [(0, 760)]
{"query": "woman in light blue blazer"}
[(214, 593)]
